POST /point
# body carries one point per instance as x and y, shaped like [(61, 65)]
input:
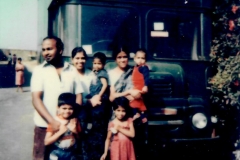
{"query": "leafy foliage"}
[(225, 58), (225, 53)]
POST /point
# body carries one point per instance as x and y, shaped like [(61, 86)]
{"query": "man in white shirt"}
[(49, 80)]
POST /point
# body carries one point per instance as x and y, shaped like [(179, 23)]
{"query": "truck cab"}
[(177, 36)]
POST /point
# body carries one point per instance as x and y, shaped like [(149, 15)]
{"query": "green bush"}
[(225, 53), (225, 58)]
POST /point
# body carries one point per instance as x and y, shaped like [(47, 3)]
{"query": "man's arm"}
[(52, 137), (41, 109), (79, 99)]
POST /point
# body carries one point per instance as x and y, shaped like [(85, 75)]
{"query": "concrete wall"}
[(26, 55)]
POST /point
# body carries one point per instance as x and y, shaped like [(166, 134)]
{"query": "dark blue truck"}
[(177, 36)]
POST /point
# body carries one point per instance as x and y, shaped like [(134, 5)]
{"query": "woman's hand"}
[(135, 93), (129, 97), (95, 101)]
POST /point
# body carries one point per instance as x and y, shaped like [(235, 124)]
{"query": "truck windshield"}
[(174, 35), (165, 33), (103, 27)]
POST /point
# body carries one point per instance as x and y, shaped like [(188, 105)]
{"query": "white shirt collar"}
[(65, 65)]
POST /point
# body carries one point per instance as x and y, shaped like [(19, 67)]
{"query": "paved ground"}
[(16, 115), (16, 124)]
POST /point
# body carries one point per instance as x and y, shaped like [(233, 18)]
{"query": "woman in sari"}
[(120, 76), (121, 86), (19, 68), (93, 136)]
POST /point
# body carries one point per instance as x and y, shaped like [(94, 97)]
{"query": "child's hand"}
[(72, 126), (144, 89), (103, 156), (113, 130), (63, 128)]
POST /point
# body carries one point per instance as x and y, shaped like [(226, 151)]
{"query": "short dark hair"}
[(118, 49), (59, 43), (100, 56), (67, 98), (144, 51), (124, 103), (77, 50), (70, 99), (19, 59)]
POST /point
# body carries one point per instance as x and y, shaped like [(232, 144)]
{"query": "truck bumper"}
[(195, 140), (190, 149)]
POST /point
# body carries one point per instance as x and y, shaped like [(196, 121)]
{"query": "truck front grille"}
[(161, 85)]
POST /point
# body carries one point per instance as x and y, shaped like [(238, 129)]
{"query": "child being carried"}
[(140, 80)]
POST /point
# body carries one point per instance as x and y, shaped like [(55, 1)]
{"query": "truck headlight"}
[(199, 120)]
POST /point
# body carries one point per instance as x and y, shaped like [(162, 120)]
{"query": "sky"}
[(18, 24)]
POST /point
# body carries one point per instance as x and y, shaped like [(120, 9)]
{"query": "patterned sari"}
[(125, 81), (141, 131)]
